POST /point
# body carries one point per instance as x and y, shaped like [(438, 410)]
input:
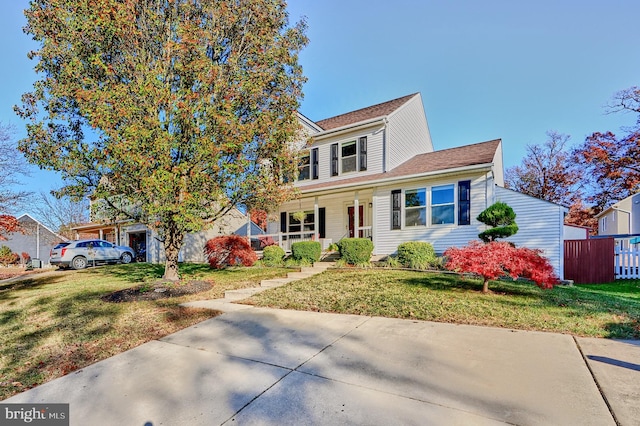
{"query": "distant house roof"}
[(374, 111), (615, 205), (26, 216), (443, 160)]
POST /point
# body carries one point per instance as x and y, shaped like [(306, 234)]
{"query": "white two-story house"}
[(374, 173)]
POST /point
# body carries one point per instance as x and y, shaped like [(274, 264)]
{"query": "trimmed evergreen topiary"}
[(502, 220)]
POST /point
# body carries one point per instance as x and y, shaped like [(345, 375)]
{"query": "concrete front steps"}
[(305, 272)]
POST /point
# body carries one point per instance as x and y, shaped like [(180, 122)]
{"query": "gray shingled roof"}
[(374, 111)]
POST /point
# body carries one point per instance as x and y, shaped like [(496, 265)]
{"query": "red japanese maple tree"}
[(496, 259), (229, 250)]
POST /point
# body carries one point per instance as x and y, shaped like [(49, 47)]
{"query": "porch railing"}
[(285, 239)]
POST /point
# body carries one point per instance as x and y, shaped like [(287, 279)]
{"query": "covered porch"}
[(326, 218)]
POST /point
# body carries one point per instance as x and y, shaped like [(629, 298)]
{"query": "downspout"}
[(385, 154), (38, 240)]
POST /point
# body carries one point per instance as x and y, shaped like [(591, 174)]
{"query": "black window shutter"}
[(464, 202), (283, 222), (363, 153), (396, 209), (334, 159), (322, 226), (314, 163)]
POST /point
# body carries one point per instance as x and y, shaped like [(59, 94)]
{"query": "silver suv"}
[(82, 253)]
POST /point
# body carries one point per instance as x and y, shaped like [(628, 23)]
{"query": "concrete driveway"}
[(257, 366)]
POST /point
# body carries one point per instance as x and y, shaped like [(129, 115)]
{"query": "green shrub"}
[(272, 256), (356, 251), (417, 255), (306, 250)]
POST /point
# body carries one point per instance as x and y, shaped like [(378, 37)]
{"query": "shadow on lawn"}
[(8, 289), (141, 272), (448, 282)]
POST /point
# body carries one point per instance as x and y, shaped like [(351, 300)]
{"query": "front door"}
[(352, 221)]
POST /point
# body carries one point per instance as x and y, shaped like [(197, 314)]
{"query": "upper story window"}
[(350, 156), (304, 166), (349, 152)]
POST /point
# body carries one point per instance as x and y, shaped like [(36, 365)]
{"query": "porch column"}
[(356, 216), (374, 218), (101, 234), (316, 214)]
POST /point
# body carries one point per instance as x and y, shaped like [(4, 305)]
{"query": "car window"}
[(106, 244), (61, 245), (81, 244)]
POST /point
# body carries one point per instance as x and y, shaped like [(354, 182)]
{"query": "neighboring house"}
[(373, 173), (34, 238), (576, 232), (622, 218), (146, 243)]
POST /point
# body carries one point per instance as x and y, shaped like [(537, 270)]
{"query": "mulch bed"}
[(159, 290)]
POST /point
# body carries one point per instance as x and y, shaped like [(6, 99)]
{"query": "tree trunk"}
[(172, 244), (485, 286)]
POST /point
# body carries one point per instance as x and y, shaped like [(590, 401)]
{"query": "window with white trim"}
[(442, 205), (304, 166), (415, 207), (349, 151), (348, 157), (428, 206)]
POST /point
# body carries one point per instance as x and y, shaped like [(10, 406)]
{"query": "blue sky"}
[(486, 69)]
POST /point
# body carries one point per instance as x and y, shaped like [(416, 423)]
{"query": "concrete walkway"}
[(258, 366)]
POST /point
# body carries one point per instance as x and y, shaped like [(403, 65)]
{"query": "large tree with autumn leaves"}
[(12, 168), (612, 161), (171, 111)]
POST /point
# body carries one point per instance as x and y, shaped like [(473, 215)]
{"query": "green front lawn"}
[(611, 310), (53, 324), (56, 323)]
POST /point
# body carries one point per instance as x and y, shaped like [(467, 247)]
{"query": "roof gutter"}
[(397, 178)]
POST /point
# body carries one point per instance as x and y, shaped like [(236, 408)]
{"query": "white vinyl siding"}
[(540, 225), (374, 137), (386, 239), (408, 133)]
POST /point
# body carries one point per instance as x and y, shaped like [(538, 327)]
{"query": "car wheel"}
[(79, 262), (126, 258)]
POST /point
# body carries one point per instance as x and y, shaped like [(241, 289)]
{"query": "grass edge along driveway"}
[(56, 323)]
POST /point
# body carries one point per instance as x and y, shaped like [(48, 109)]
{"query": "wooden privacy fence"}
[(589, 261)]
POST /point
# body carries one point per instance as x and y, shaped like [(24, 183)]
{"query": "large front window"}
[(301, 221), (415, 207), (442, 205), (431, 206)]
